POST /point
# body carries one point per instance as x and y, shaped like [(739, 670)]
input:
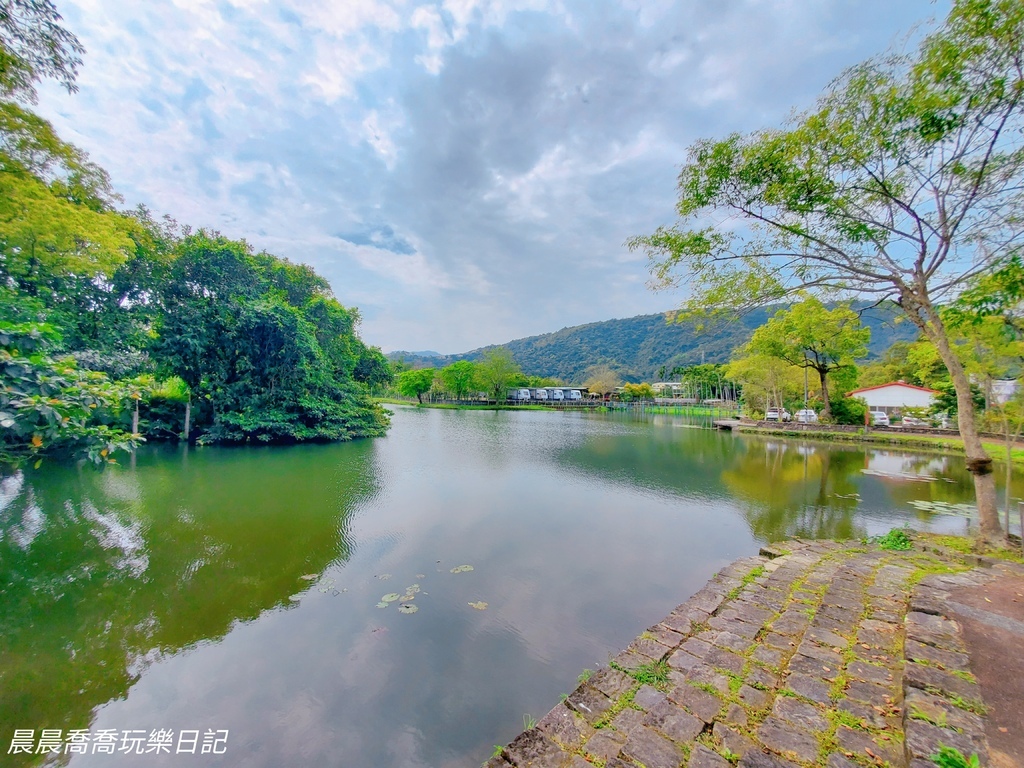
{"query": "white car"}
[(879, 419), (777, 414), (913, 421), (806, 416)]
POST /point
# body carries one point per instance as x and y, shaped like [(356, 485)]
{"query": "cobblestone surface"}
[(812, 654)]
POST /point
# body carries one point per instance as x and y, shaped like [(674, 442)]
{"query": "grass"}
[(750, 578), (585, 675), (968, 705), (654, 674), (529, 721), (948, 757), (917, 714)]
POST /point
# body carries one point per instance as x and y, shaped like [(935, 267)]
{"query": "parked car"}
[(879, 419), (806, 416), (777, 414), (913, 421)]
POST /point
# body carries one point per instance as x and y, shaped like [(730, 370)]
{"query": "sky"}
[(465, 172)]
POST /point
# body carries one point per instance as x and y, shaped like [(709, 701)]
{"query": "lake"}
[(218, 589)]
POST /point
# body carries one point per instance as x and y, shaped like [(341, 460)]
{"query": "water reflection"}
[(170, 594), (102, 573)]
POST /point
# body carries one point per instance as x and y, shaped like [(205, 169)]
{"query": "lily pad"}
[(480, 605), (413, 589), (309, 576), (390, 597), (408, 598), (382, 605), (407, 608), (383, 576), (421, 575), (944, 507), (462, 568)]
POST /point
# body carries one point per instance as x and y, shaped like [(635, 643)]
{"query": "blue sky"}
[(465, 172)]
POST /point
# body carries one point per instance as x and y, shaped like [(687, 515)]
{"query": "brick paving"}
[(811, 654)]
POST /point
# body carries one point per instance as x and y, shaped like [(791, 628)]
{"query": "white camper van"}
[(556, 394), (574, 394), (540, 394)]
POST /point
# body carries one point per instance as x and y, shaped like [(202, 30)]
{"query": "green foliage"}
[(950, 757), (49, 407), (496, 371), (654, 674), (458, 378), (637, 392), (809, 335), (848, 410), (415, 383), (946, 401), (34, 46), (896, 540), (264, 344), (915, 362)]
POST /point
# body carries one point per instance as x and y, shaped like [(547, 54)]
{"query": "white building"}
[(895, 396)]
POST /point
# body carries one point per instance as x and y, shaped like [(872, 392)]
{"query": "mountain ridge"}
[(647, 347)]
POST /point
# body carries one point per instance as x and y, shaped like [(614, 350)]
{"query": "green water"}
[(169, 592)]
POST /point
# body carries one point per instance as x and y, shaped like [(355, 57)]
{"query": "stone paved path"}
[(818, 654)]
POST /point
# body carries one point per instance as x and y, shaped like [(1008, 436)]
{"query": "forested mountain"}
[(640, 347)]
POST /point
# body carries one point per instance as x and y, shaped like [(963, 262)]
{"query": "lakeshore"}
[(810, 654)]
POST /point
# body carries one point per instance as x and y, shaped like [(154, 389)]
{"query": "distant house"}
[(895, 396)]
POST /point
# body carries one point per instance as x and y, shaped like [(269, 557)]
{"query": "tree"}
[(915, 362), (767, 381), (496, 371), (33, 45), (373, 369), (904, 181), (637, 391), (416, 383), (808, 335), (459, 377), (602, 379)]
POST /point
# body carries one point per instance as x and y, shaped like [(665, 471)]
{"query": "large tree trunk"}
[(826, 410), (919, 309), (979, 463)]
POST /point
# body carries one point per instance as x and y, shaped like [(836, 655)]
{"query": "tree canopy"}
[(808, 335)]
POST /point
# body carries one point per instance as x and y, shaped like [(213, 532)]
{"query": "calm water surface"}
[(237, 588)]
